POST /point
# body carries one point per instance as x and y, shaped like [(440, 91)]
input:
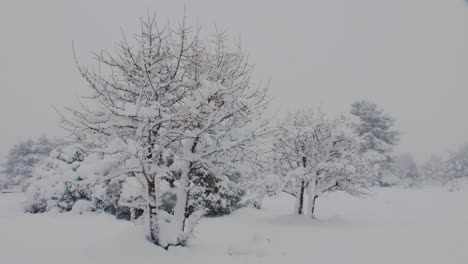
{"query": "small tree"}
[(433, 170), (179, 109), (457, 163), (407, 170), (314, 155), (377, 129), (21, 160)]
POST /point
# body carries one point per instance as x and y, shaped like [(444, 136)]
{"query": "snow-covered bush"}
[(112, 196), (81, 206), (21, 160), (457, 185), (56, 184), (388, 178), (72, 175), (457, 163), (217, 197)]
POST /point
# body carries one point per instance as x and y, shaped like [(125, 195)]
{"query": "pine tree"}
[(377, 128)]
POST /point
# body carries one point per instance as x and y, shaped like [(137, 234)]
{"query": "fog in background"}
[(410, 57)]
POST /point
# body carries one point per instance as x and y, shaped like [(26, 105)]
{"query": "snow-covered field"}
[(392, 226)]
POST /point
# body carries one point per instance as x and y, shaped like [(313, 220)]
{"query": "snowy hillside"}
[(392, 226)]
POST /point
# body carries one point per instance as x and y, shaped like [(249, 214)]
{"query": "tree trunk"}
[(132, 214), (180, 209), (153, 235), (313, 206), (300, 199), (181, 203), (313, 195)]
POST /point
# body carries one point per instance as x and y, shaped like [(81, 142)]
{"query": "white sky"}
[(409, 56)]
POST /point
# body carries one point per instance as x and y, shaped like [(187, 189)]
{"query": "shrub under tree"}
[(17, 169)]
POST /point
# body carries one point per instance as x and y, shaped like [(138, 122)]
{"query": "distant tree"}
[(313, 155), (377, 128), (57, 182), (178, 110), (407, 170), (21, 160), (457, 163), (433, 170)]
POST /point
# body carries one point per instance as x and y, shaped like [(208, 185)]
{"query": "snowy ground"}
[(393, 226)]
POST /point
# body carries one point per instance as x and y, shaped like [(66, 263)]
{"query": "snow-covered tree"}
[(433, 170), (406, 169), (177, 110), (21, 159), (457, 163), (313, 155), (377, 128)]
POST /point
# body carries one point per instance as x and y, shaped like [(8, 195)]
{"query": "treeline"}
[(175, 130)]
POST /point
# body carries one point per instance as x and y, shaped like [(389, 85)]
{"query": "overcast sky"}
[(408, 56)]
